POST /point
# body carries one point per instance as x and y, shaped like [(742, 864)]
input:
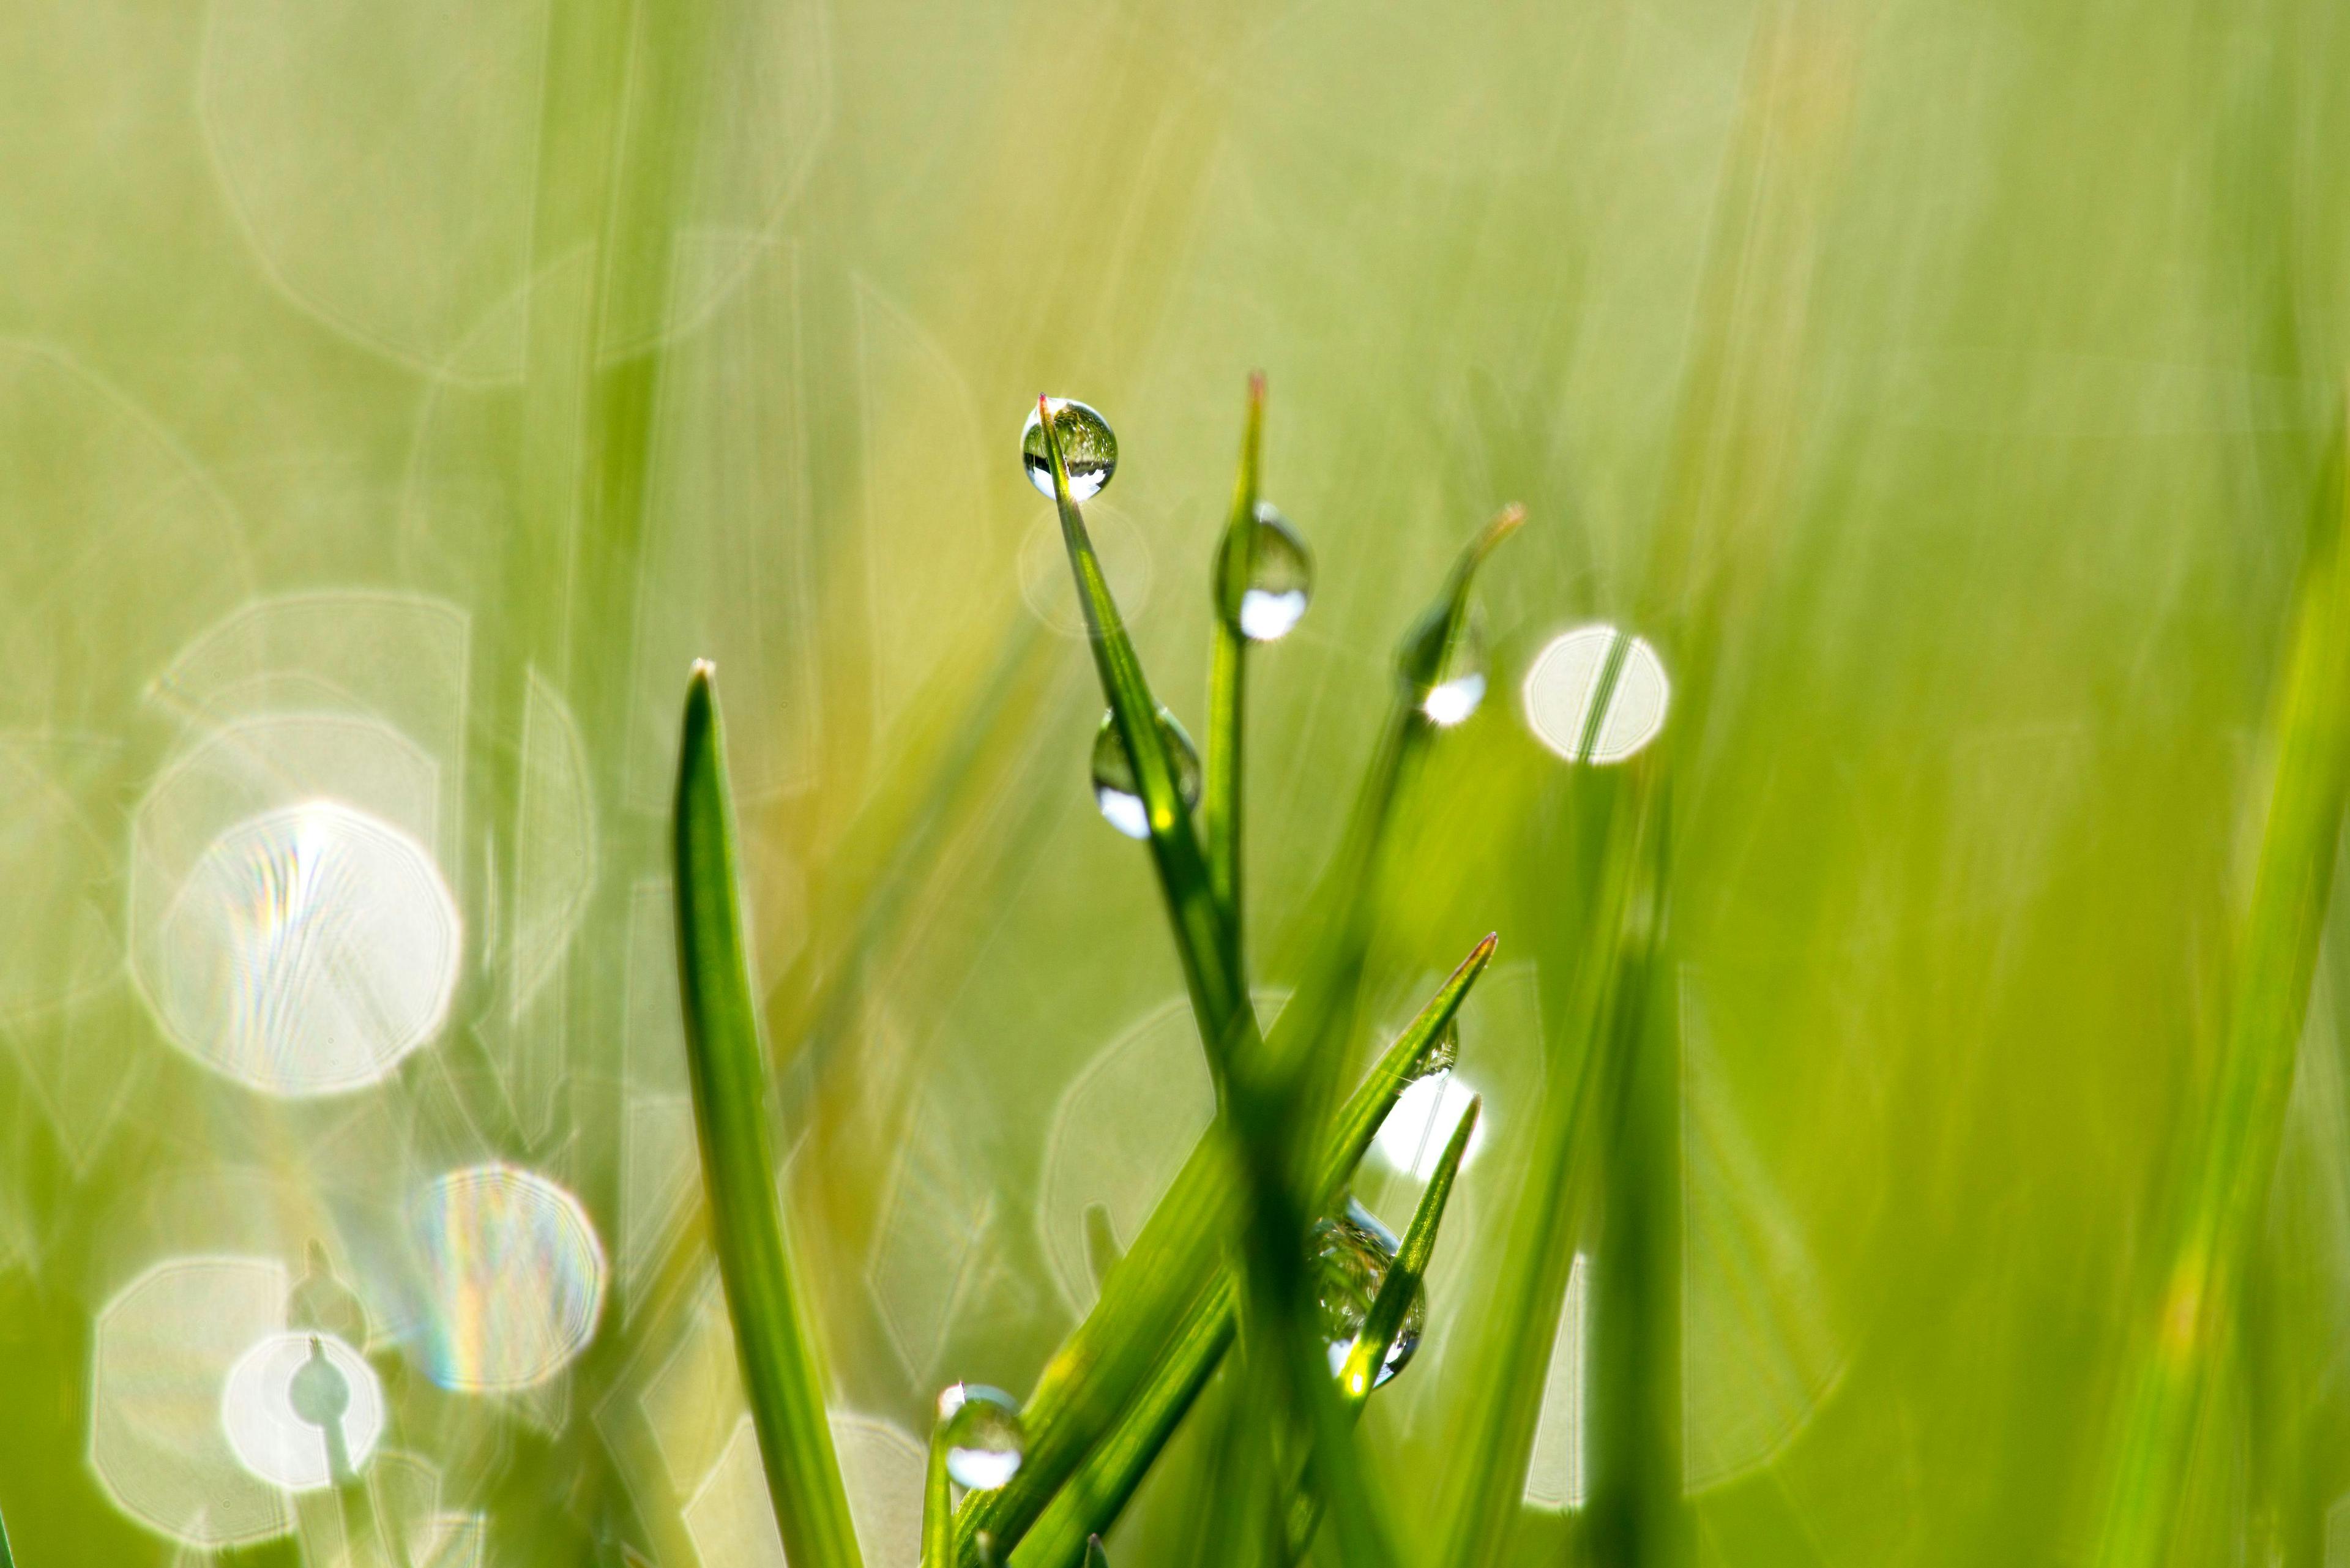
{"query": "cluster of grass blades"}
[(1223, 1273)]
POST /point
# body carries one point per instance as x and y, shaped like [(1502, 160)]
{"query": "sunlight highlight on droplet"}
[(302, 1411), (1421, 1123), (515, 1278), (309, 949), (1563, 682)]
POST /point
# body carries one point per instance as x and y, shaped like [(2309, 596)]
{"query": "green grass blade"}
[(1411, 1266), (1388, 1308), (783, 1371), (1204, 939), (1089, 1393), (938, 1505), (1220, 804), (1095, 1557), (1490, 1458), (1094, 1496), (2235, 1150)]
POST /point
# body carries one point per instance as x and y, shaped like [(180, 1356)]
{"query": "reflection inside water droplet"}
[(1265, 577), (983, 1433), (1460, 685), (1350, 1255), (1442, 1051), (1088, 449), (1118, 793), (1562, 686), (308, 951), (302, 1410), (514, 1276)]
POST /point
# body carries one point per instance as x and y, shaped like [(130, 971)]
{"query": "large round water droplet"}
[(1460, 684), (1561, 695), (1264, 575), (1117, 790), (302, 1411), (1350, 1255), (985, 1439), (1088, 447), (320, 1392)]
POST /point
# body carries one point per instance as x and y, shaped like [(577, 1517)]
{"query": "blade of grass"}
[(1487, 1478), (1088, 1395), (1389, 1307), (2236, 1149), (938, 1505), (1220, 805), (783, 1371), (1095, 1557)]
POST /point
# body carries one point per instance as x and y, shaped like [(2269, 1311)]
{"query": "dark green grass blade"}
[(1220, 805), (1095, 1557), (783, 1371), (1133, 1334), (7, 1557), (2235, 1151)]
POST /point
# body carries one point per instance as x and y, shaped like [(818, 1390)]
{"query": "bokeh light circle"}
[(262, 1411), (514, 1278), (1418, 1126), (1564, 681), (309, 949)]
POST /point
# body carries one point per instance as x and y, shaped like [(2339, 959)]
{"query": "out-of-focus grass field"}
[(395, 397)]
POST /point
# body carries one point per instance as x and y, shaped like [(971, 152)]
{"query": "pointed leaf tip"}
[(1095, 1556)]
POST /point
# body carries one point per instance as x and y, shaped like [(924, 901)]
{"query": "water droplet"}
[(1264, 575), (1442, 1051), (1350, 1255), (1460, 684), (1088, 449), (320, 1300), (1561, 686), (985, 1439), (1115, 789)]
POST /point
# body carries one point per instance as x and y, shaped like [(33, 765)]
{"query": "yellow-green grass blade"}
[(1100, 1489), (1608, 986), (938, 1505), (1134, 1333), (2188, 1339), (782, 1370), (1220, 804)]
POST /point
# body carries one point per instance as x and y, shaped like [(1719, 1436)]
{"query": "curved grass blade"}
[(1091, 1392), (2235, 1151), (1220, 804), (783, 1372)]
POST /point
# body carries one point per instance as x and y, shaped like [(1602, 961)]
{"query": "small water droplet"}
[(1088, 447), (1442, 1051), (985, 1439), (1117, 790), (1460, 684), (320, 1392), (1350, 1255), (1265, 577)]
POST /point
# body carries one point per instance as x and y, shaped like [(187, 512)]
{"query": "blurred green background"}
[(395, 397)]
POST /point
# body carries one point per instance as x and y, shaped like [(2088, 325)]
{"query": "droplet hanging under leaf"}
[(1088, 447), (1442, 1052), (1118, 791), (1349, 1254), (1265, 577), (1457, 685), (981, 1431)]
